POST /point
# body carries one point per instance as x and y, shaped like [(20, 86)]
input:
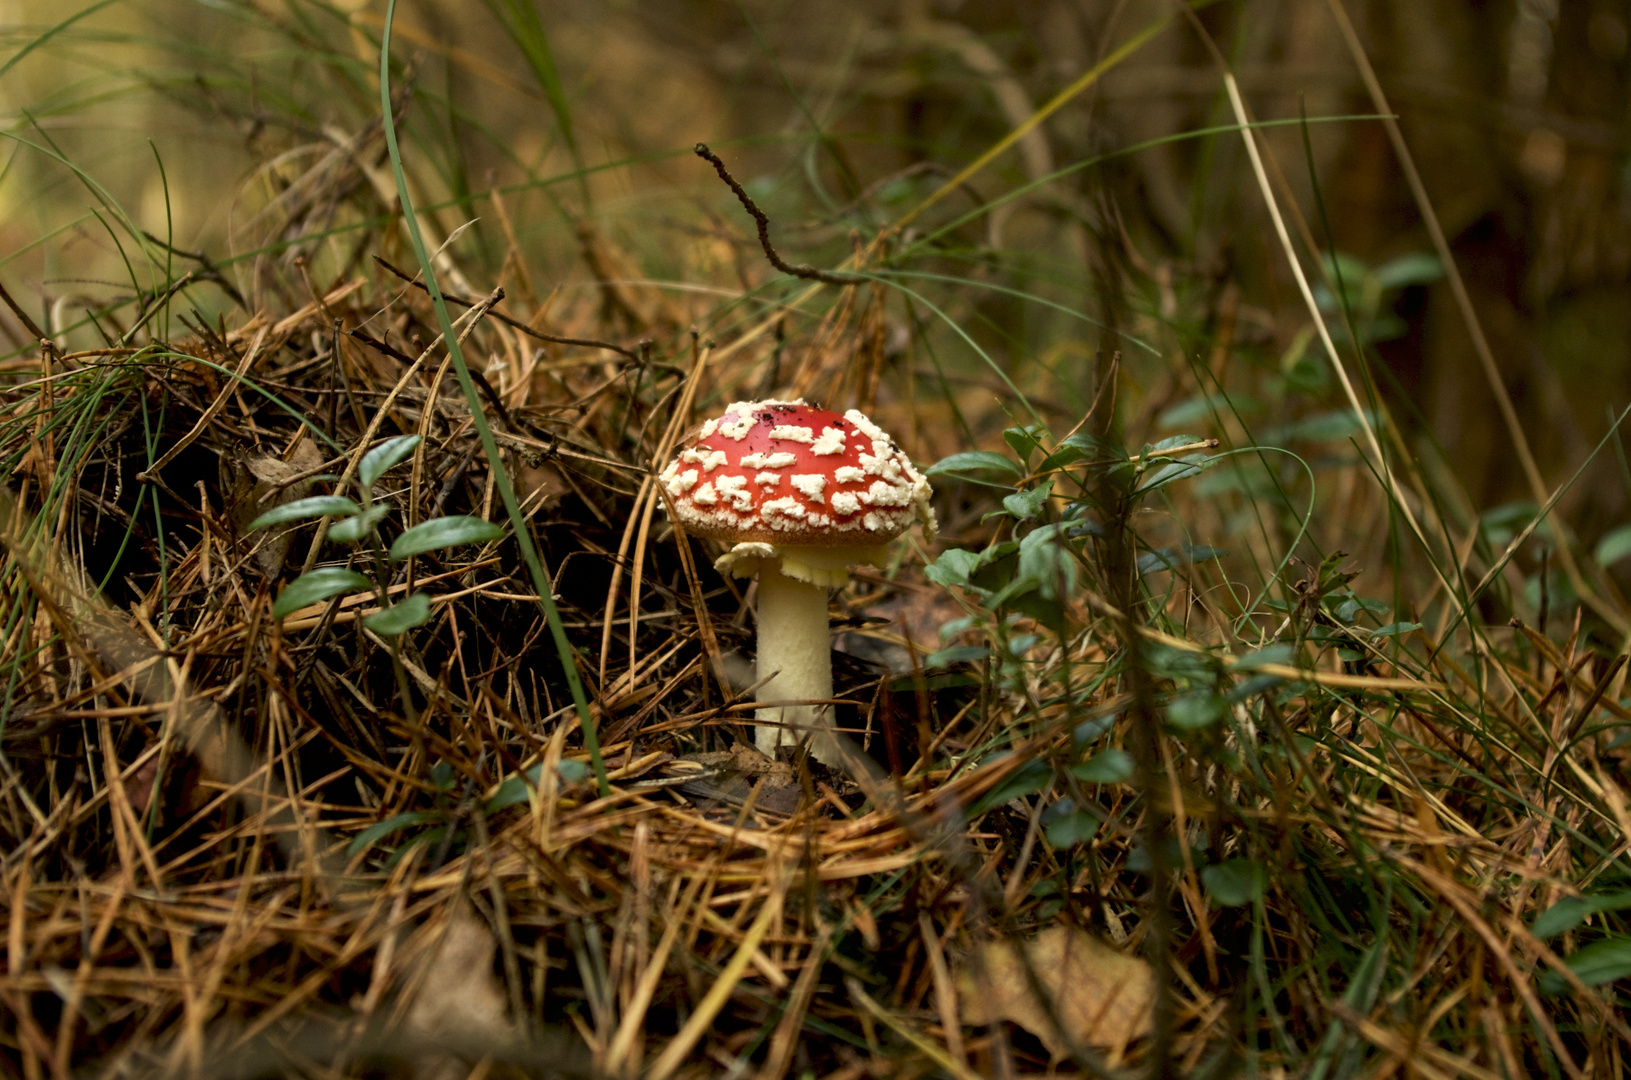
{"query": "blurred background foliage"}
[(220, 124)]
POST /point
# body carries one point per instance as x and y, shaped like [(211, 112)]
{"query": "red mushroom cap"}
[(790, 474)]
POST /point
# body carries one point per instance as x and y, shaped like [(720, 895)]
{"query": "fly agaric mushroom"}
[(802, 493)]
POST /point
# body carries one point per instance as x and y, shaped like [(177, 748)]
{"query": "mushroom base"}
[(794, 644)]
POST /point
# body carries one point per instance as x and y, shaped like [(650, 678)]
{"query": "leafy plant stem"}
[(382, 592), (501, 477)]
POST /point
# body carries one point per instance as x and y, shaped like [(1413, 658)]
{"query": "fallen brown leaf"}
[(461, 998), (1101, 996), (257, 484)]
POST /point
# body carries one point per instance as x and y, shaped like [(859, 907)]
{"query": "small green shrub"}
[(359, 523)]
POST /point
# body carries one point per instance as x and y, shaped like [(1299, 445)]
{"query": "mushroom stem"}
[(794, 644)]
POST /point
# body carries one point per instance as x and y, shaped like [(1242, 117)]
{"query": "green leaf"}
[(1320, 427), (1029, 779), (1020, 644), (1305, 369), (1190, 410), (1350, 608), (1236, 882), (994, 556), (1025, 505), (995, 583), (1598, 963), (1152, 562), (379, 830), (1507, 520), (379, 460), (1065, 825), (301, 509), (443, 532), (1615, 546), (1090, 730), (1191, 465), (320, 584), (1045, 610), (1562, 917), (1107, 767), (573, 772), (428, 838), (1571, 911), (442, 775), (513, 790), (1352, 273), (1171, 854), (1201, 408), (1250, 483), (1180, 663), (957, 654), (357, 526), (1395, 628), (1093, 446), (1195, 711), (1414, 268), (975, 461), (952, 567), (1166, 558), (1025, 440), (1060, 458), (400, 618), (1270, 654), (1046, 559), (1248, 688)]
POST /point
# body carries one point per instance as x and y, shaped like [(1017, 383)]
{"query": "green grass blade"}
[(51, 33), (495, 461), (522, 22)]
